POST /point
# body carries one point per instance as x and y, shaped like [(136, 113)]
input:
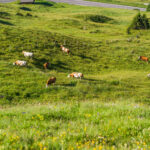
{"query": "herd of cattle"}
[(51, 80)]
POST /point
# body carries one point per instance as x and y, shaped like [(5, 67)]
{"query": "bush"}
[(29, 15), (98, 18), (25, 8), (19, 14), (139, 22), (4, 15), (148, 7)]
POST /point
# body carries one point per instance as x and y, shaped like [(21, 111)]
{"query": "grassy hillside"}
[(136, 3), (108, 109)]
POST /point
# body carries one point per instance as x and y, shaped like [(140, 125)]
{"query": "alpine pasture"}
[(108, 109)]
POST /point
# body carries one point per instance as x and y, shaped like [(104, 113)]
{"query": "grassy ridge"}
[(108, 109)]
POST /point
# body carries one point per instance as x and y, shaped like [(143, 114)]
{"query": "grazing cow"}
[(50, 81), (27, 54), (20, 63), (66, 50), (76, 75), (148, 75), (46, 65), (143, 58)]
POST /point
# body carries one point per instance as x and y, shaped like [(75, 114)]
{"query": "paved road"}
[(89, 3), (6, 1), (97, 4)]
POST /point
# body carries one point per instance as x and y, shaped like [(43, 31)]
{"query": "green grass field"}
[(136, 3), (108, 109)]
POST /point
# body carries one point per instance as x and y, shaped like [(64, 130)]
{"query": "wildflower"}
[(100, 147), (88, 115), (4, 134), (93, 142), (144, 143), (113, 148), (40, 145), (54, 139)]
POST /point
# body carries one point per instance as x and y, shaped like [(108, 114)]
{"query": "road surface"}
[(89, 3)]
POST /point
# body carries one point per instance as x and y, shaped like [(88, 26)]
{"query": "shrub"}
[(29, 15), (4, 15), (19, 14), (139, 22), (148, 7), (25, 8), (98, 18)]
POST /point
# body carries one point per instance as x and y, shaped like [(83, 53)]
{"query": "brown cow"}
[(46, 65), (143, 58), (50, 81)]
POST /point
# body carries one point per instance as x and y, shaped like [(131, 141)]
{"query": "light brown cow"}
[(50, 81), (66, 50), (76, 75), (20, 63), (143, 58), (46, 65)]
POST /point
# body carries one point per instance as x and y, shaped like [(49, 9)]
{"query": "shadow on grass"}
[(68, 85), (5, 22), (85, 57), (59, 66), (25, 8), (44, 3), (94, 81)]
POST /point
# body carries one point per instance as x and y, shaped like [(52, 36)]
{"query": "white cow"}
[(27, 54)]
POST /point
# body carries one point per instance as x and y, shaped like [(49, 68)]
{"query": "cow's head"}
[(139, 57), (14, 63)]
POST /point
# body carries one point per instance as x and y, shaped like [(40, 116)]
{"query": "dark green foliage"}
[(139, 22), (29, 15), (128, 30), (25, 8), (4, 15), (148, 7), (98, 18), (19, 14)]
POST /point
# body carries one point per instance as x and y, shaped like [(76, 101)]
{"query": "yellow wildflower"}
[(100, 147)]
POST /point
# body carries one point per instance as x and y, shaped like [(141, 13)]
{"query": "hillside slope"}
[(95, 50)]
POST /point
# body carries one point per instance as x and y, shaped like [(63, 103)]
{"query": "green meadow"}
[(109, 109)]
